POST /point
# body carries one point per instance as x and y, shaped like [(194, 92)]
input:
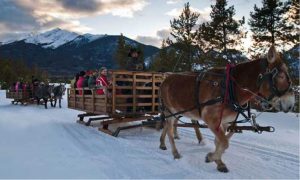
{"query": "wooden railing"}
[(19, 94), (130, 92)]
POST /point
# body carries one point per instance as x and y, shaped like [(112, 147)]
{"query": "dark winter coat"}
[(86, 81), (92, 82), (134, 64)]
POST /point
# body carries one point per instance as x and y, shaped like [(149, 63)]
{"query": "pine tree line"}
[(13, 71), (190, 43)]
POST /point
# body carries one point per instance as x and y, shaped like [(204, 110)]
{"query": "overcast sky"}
[(147, 21)]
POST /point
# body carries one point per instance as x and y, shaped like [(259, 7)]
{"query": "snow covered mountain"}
[(61, 52), (54, 38)]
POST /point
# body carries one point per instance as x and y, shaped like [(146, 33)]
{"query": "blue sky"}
[(147, 21)]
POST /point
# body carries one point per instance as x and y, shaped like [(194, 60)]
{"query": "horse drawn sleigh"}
[(217, 96), (133, 96), (37, 93), (20, 96)]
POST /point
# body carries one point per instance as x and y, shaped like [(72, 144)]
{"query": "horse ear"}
[(272, 55)]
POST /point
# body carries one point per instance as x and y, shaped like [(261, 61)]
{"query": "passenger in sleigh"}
[(102, 81), (80, 82), (134, 62)]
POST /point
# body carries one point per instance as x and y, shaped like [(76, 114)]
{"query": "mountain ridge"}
[(69, 55)]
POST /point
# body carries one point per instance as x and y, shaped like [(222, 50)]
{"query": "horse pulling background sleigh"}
[(47, 93), (218, 97)]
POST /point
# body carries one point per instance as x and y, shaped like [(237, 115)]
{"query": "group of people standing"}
[(20, 85), (94, 79), (91, 79)]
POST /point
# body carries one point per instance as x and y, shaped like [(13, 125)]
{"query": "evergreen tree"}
[(291, 21), (182, 30), (16, 70), (141, 56), (121, 52), (165, 60), (223, 32), (268, 26)]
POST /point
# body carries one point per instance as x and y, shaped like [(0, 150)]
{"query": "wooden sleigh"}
[(22, 96), (133, 96)]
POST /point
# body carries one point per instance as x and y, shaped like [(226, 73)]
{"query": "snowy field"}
[(47, 143)]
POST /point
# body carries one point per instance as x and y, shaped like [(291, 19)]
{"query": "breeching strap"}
[(225, 100)]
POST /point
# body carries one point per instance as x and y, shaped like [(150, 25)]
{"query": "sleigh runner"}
[(133, 96)]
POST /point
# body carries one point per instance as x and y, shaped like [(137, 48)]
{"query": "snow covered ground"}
[(47, 143)]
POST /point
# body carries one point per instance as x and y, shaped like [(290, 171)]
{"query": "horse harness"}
[(228, 97), (269, 76)]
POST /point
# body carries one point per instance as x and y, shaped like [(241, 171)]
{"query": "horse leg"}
[(221, 142), (175, 129), (170, 124), (163, 136), (197, 131), (51, 102), (59, 102), (45, 101)]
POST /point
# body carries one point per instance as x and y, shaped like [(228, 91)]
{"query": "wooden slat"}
[(124, 96), (123, 87), (147, 96), (134, 93), (124, 105), (153, 94), (114, 93), (146, 104), (146, 88), (124, 79), (143, 80), (93, 100)]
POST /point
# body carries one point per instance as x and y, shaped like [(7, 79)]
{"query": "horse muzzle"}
[(284, 103)]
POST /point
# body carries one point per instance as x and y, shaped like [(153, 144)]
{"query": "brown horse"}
[(267, 77)]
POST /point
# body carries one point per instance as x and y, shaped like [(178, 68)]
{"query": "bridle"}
[(270, 75)]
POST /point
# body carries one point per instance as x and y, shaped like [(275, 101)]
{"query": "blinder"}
[(270, 76)]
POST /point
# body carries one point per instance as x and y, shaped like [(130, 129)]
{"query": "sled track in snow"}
[(252, 148)]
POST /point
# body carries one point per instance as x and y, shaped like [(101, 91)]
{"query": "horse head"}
[(275, 84)]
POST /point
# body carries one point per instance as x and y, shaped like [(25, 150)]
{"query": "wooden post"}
[(82, 98), (93, 100), (75, 98), (68, 97), (106, 98), (134, 93), (114, 93), (153, 92)]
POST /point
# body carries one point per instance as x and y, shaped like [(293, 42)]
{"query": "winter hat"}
[(82, 73), (132, 50), (102, 68)]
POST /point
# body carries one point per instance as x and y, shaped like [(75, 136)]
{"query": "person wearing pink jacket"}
[(80, 82)]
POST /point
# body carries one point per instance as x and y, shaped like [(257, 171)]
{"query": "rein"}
[(228, 90)]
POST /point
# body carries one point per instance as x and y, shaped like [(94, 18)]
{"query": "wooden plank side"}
[(134, 93), (153, 93)]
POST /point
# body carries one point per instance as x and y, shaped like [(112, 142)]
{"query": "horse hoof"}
[(208, 158), (222, 168), (177, 156), (163, 147), (176, 137), (202, 143)]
